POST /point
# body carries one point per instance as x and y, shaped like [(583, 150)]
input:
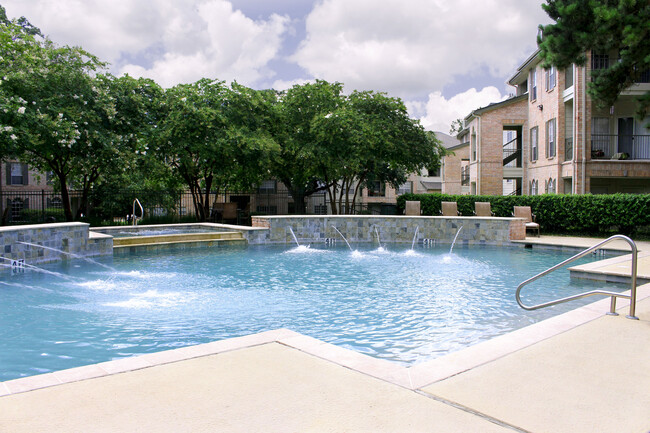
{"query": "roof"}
[(447, 140), (495, 105), (522, 71)]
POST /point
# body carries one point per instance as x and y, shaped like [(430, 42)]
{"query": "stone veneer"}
[(476, 230), (72, 238)]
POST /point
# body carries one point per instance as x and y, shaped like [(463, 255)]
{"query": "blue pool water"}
[(401, 305)]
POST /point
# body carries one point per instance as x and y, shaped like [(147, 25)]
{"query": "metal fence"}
[(116, 207)]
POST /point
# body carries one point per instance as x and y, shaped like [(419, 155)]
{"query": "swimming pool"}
[(403, 305)]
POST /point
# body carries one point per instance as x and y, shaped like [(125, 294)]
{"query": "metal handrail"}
[(614, 295), (135, 217)]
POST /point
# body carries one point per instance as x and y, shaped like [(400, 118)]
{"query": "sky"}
[(443, 58)]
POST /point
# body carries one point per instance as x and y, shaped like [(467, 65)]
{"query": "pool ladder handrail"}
[(614, 295), (135, 217)]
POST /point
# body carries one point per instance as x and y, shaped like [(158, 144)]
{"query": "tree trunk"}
[(298, 195), (65, 198)]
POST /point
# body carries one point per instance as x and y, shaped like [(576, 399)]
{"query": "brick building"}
[(552, 138)]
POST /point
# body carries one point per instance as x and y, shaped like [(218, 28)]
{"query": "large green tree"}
[(301, 157), (214, 139), (605, 26), (370, 138)]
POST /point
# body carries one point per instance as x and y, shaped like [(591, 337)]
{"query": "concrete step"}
[(176, 238)]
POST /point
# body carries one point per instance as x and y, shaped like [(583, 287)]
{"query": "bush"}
[(567, 214), (36, 216)]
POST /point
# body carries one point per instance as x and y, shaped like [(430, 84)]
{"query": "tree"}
[(212, 137), (602, 26), (370, 138), (456, 126), (298, 163)]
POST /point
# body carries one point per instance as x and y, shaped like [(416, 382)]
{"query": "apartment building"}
[(550, 137)]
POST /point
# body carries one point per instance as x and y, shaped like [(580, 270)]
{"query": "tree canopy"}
[(61, 113), (603, 26)]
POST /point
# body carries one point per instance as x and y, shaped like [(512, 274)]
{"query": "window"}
[(405, 188), (550, 138), (551, 186), (376, 189), (268, 187), (533, 144), (434, 171), (533, 85), (533, 187), (320, 209), (473, 146), (550, 78), (599, 61), (16, 173), (568, 77)]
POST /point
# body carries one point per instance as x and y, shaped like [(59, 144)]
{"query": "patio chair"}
[(526, 213), (229, 212), (413, 208), (449, 208), (483, 209)]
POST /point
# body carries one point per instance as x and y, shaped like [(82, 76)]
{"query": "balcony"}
[(622, 147)]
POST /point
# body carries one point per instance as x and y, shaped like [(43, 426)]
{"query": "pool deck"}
[(581, 371)]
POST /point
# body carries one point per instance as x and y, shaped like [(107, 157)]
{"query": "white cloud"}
[(438, 112), (404, 47), (171, 42)]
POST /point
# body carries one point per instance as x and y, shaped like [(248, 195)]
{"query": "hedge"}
[(556, 213)]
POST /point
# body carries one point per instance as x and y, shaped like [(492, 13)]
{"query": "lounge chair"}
[(413, 208), (450, 208), (526, 213), (483, 209), (229, 212)]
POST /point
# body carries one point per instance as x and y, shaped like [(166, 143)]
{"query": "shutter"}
[(25, 170), (8, 173)]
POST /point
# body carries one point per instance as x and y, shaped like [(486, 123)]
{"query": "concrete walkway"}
[(578, 372)]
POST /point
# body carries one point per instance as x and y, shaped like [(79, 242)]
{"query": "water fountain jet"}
[(455, 237), (341, 234), (74, 256)]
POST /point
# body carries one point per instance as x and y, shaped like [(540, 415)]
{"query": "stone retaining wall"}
[(72, 238), (361, 228)]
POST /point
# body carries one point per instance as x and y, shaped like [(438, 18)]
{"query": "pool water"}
[(398, 304)]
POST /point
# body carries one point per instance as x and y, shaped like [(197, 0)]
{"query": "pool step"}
[(133, 241)]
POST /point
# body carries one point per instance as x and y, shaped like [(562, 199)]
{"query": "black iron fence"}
[(117, 207)]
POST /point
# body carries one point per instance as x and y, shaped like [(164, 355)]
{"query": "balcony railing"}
[(606, 146), (512, 154), (464, 176), (568, 148)]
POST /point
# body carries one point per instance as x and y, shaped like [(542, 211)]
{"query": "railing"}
[(134, 216), (609, 146), (464, 175), (512, 154), (614, 295), (568, 148)]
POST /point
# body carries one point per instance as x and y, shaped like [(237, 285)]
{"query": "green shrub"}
[(37, 216), (567, 214)]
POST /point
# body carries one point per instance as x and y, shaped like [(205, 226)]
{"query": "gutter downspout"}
[(576, 107), (584, 125), (478, 159)]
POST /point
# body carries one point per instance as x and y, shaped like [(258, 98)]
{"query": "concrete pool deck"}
[(580, 371)]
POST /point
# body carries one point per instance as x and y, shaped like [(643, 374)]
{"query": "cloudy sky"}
[(444, 58)]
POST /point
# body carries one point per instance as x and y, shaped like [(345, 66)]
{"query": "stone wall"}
[(361, 228), (71, 238)]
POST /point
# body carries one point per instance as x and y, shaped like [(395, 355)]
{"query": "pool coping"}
[(411, 377)]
